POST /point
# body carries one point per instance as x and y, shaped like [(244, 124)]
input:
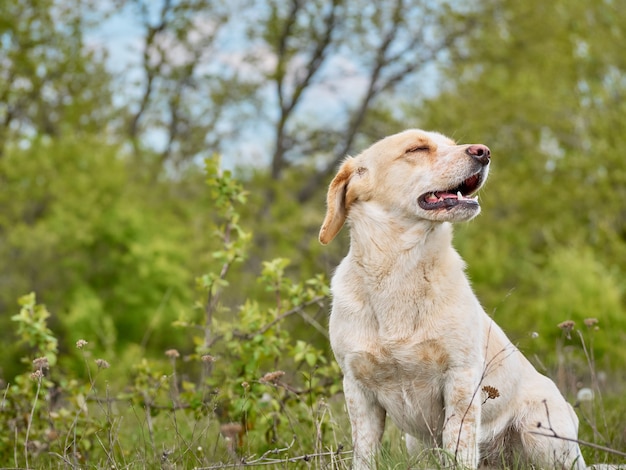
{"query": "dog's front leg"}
[(367, 419), (462, 419)]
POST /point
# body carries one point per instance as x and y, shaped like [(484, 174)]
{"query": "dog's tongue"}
[(449, 199), (442, 195)]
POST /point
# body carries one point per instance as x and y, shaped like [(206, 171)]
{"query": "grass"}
[(175, 414), (120, 434)]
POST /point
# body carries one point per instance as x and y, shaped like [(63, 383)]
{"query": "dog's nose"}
[(479, 152)]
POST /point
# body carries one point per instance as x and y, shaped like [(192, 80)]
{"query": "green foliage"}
[(247, 383), (50, 81), (36, 407), (592, 292), (33, 327), (230, 378), (243, 349), (99, 249)]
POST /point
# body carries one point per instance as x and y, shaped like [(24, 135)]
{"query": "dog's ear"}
[(336, 202)]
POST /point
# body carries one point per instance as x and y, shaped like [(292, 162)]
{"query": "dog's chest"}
[(407, 379)]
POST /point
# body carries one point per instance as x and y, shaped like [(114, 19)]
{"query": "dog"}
[(411, 338)]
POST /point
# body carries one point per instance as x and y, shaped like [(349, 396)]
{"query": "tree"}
[(199, 93), (385, 44), (110, 252), (180, 105), (49, 79)]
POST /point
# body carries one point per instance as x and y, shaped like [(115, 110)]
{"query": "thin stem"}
[(213, 299), (30, 418), (280, 318), (580, 442), (265, 459), (554, 434)]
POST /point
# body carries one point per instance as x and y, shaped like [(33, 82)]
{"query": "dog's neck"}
[(409, 263), (378, 237)]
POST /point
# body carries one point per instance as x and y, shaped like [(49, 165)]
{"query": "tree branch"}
[(288, 104), (152, 33), (376, 86)]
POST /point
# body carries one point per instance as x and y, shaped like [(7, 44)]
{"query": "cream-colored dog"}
[(412, 340)]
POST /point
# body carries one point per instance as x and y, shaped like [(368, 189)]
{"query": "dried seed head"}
[(172, 353), (231, 430), (589, 322), (41, 363), (207, 358), (492, 392), (36, 375), (102, 364), (567, 326), (245, 385), (584, 394), (272, 377), (81, 343)]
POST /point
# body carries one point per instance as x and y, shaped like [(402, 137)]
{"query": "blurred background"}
[(109, 108)]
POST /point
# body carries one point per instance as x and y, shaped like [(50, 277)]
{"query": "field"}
[(256, 390), (166, 418)]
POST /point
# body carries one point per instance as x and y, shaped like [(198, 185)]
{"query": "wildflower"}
[(81, 343), (172, 353), (567, 326), (534, 335), (41, 363), (102, 364), (245, 385), (272, 377)]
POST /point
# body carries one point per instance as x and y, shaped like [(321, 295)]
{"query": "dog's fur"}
[(408, 332)]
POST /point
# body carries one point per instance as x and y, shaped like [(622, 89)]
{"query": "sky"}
[(338, 85), (121, 36)]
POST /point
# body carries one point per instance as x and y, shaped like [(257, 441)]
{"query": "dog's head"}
[(413, 174)]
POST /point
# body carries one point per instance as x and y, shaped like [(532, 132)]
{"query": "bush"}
[(245, 385)]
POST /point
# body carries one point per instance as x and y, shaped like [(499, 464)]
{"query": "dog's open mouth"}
[(449, 198)]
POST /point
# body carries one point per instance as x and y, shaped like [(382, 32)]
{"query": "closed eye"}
[(421, 148)]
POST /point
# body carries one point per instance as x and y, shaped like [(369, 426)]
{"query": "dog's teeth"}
[(459, 195)]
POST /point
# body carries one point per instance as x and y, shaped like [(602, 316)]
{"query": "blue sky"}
[(121, 35), (339, 84)]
